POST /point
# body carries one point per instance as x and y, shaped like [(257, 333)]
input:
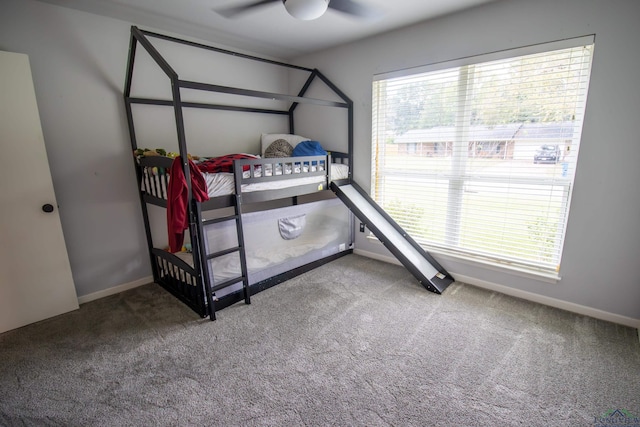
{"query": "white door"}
[(35, 276)]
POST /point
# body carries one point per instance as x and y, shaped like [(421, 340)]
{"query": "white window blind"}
[(477, 158)]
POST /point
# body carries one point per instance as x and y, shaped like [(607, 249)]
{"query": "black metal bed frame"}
[(191, 284)]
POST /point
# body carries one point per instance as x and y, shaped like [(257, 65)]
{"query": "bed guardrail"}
[(154, 172), (180, 279), (249, 171)]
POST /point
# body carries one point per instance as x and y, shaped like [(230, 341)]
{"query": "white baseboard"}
[(115, 290), (529, 296)]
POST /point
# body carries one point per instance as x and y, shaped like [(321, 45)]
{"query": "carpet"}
[(355, 342)]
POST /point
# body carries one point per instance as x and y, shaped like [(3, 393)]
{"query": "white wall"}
[(602, 251), (78, 62)]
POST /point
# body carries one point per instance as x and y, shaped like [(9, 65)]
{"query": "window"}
[(476, 158)]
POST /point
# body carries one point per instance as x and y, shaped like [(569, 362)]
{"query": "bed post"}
[(134, 145), (193, 209), (197, 250)]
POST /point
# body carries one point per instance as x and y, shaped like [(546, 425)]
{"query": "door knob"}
[(48, 208)]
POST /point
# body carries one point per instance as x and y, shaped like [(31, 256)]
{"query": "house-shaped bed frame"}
[(192, 282)]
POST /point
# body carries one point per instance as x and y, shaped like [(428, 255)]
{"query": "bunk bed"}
[(239, 241)]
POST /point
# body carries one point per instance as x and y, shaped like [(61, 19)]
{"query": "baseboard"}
[(529, 296), (114, 290)]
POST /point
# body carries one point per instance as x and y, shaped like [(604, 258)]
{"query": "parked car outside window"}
[(547, 154)]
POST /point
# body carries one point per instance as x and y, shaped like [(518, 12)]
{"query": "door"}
[(35, 275)]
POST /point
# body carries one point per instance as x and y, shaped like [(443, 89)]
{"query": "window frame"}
[(548, 272)]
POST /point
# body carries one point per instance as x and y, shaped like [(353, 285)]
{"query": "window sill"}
[(548, 277)]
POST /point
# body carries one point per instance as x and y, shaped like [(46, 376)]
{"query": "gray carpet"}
[(356, 342)]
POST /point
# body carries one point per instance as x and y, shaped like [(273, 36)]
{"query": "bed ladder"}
[(244, 277)]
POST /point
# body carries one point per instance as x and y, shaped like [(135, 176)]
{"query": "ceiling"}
[(268, 30)]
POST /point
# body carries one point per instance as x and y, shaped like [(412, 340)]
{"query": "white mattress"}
[(220, 184)]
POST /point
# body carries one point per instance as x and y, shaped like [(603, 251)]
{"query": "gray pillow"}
[(279, 148)]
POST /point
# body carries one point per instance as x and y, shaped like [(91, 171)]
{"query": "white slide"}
[(429, 273)]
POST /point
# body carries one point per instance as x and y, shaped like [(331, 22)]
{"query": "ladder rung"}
[(227, 283), (223, 252), (217, 220)]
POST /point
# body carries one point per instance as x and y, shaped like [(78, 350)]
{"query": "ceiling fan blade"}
[(356, 9), (231, 12)]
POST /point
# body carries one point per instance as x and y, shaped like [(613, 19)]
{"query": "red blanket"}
[(177, 218), (223, 163)]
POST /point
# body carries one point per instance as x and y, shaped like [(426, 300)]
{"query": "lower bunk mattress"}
[(277, 241)]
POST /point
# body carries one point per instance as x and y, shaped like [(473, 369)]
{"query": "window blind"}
[(478, 159)]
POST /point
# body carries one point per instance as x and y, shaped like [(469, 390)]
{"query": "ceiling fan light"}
[(306, 10)]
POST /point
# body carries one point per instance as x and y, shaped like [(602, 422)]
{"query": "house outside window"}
[(476, 158)]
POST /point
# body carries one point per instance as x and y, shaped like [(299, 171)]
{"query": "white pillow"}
[(268, 138)]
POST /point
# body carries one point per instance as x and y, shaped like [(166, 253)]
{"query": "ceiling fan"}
[(307, 10)]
